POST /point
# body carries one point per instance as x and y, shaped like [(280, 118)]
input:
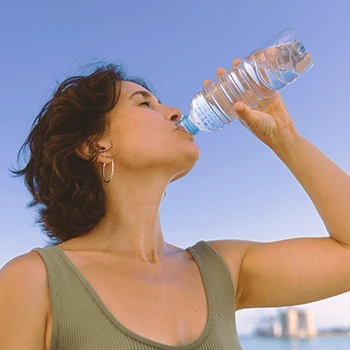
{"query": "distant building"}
[(297, 324), (292, 323)]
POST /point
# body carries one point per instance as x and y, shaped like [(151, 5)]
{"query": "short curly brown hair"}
[(65, 187)]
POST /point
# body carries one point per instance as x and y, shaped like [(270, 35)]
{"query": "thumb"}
[(246, 115)]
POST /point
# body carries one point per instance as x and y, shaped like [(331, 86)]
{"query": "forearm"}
[(326, 184)]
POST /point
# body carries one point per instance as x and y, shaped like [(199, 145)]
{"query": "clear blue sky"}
[(239, 188)]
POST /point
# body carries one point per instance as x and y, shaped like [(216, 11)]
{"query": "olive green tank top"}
[(80, 320)]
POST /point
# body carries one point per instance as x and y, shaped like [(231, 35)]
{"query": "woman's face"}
[(145, 136)]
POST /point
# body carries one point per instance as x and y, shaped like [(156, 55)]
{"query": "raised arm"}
[(303, 270), (294, 271), (326, 184)]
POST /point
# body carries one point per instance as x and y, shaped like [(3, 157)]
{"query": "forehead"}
[(128, 88)]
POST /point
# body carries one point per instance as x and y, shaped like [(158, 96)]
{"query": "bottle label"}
[(206, 119)]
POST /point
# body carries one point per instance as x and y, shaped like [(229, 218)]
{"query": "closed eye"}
[(147, 103)]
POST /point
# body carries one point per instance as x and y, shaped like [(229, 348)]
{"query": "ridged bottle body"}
[(279, 62)]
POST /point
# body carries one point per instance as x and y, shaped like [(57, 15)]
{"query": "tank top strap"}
[(63, 277), (58, 274), (216, 277), (71, 301)]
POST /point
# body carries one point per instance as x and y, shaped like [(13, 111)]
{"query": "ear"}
[(102, 146)]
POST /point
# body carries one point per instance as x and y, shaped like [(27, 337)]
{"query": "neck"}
[(131, 225), (130, 232)]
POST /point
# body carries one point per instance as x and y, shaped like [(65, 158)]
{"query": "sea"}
[(329, 343)]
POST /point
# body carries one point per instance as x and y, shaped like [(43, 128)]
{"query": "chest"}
[(167, 304)]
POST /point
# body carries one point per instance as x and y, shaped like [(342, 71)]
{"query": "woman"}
[(102, 152)]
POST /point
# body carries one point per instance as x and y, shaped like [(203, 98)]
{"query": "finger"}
[(220, 72), (206, 83), (237, 62)]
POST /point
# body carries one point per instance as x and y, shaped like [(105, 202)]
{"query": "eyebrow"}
[(144, 93)]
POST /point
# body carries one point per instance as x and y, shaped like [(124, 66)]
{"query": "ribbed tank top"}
[(80, 320)]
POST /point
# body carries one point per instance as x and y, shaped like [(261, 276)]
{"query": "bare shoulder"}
[(24, 302), (27, 270), (31, 260)]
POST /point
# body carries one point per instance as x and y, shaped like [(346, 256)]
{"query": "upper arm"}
[(24, 303), (292, 272)]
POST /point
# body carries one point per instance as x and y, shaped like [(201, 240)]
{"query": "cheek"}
[(139, 149), (147, 145)]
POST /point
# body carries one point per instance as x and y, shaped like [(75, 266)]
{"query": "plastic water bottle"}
[(268, 69)]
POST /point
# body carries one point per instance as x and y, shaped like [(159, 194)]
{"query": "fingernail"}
[(239, 106)]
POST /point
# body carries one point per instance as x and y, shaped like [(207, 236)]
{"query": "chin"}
[(191, 153), (185, 171)]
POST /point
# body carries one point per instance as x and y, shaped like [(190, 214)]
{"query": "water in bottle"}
[(268, 69)]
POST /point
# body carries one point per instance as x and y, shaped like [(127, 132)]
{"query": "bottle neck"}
[(185, 123)]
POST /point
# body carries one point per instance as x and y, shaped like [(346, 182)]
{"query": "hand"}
[(269, 121)]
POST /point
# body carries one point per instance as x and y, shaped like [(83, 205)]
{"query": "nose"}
[(174, 115)]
